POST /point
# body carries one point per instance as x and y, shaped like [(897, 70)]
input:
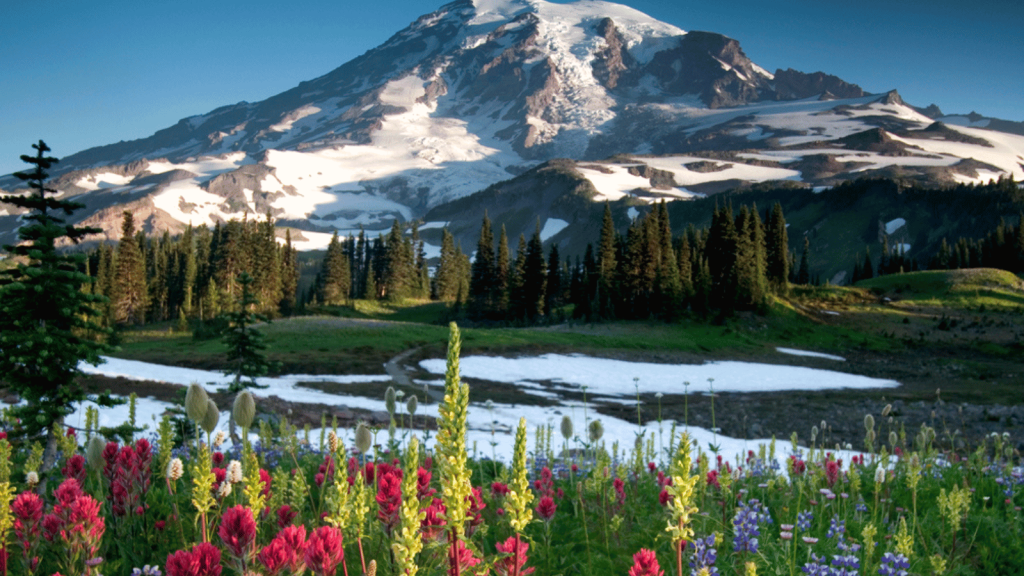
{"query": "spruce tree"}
[(289, 276), (501, 276), (481, 283), (777, 249), (553, 287), (130, 297), (517, 281), (446, 280), (607, 265), (47, 322), (804, 276), (534, 277), (335, 279), (245, 357)]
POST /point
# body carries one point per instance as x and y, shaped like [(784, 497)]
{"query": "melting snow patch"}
[(616, 377), (632, 213), (894, 225), (552, 226), (795, 352)]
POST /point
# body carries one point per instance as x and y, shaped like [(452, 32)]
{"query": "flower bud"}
[(244, 410), (893, 438), (363, 438), (32, 478), (196, 402), (389, 400), (234, 472), (371, 568), (869, 422), (219, 438), (332, 441), (566, 427), (879, 475), (211, 417), (596, 431), (411, 405), (886, 410), (94, 452)]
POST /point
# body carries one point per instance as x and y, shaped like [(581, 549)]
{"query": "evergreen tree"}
[(607, 265), (47, 323), (335, 280), (289, 276), (446, 278), (398, 270), (777, 249), (517, 281), (246, 360), (422, 283), (867, 271), (553, 286), (804, 276), (190, 270), (501, 276), (481, 283), (721, 251), (534, 277), (130, 297)]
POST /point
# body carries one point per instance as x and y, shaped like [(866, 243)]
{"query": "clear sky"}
[(81, 74)]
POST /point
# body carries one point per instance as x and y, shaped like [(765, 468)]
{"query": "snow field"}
[(496, 422)]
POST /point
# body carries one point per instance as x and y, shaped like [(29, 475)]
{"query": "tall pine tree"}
[(130, 296)]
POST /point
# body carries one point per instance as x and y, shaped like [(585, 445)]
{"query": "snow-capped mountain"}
[(482, 90)]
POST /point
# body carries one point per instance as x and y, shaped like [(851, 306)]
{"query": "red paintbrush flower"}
[(433, 522), (208, 559), (285, 515), (75, 468), (546, 508), (423, 489), (832, 470), (513, 563), (324, 551), (238, 532), (275, 556), (645, 563), (463, 558), (475, 506), (499, 489), (389, 498)]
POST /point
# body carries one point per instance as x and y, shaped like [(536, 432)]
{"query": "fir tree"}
[(517, 281), (130, 296), (501, 276), (777, 249), (804, 276), (481, 283), (289, 276), (335, 279), (534, 277), (245, 358), (446, 279), (606, 262), (47, 325), (553, 286)]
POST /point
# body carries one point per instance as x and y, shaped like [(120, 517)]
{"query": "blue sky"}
[(95, 73)]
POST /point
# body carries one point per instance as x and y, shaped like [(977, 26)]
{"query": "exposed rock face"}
[(793, 85), (659, 178), (611, 62)]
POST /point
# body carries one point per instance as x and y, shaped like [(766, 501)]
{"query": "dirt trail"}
[(394, 369)]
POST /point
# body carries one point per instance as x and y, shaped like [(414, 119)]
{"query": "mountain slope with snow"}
[(482, 90)]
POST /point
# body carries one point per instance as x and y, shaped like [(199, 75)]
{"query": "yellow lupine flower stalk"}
[(904, 539), (519, 499), (681, 507), (202, 480), (6, 491), (338, 499), (451, 439), (360, 502), (253, 490), (409, 543), (954, 506)]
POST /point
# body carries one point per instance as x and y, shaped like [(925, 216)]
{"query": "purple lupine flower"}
[(845, 565), (704, 556), (745, 528), (816, 566), (847, 548), (803, 520), (836, 527), (894, 565), (861, 506)]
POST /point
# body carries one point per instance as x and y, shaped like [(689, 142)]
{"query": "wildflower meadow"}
[(271, 503)]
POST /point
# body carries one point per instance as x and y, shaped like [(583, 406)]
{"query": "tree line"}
[(647, 273)]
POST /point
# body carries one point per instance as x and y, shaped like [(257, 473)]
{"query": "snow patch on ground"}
[(894, 225), (552, 226), (608, 377), (103, 181), (795, 352)]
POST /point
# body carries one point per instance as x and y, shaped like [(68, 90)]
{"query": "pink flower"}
[(651, 466), (645, 563), (286, 551), (499, 489), (27, 507), (285, 515), (832, 472), (75, 468), (324, 551), (217, 458), (274, 556), (389, 498), (423, 489), (475, 506), (202, 560), (546, 508), (238, 532), (434, 521), (462, 557), (516, 559), (664, 498)]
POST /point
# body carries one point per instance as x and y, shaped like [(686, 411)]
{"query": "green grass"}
[(957, 288)]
